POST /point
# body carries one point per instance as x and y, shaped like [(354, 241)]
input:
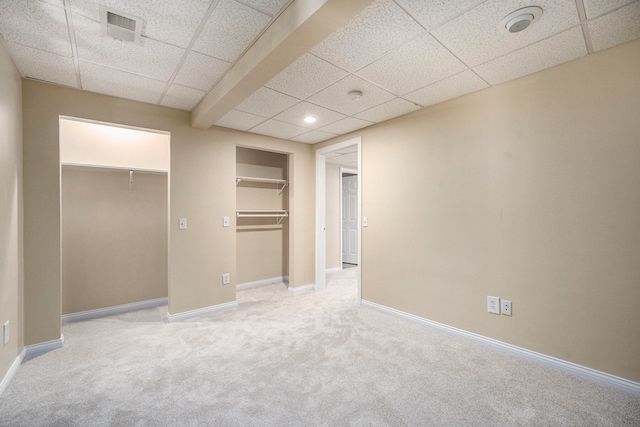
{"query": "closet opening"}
[(262, 218), (114, 218)]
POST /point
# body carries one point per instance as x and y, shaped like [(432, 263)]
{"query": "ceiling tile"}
[(266, 103), (182, 98), (336, 98), (35, 24), (231, 28), (435, 12), (240, 120), (376, 30), (151, 59), (595, 8), (168, 21), (40, 65), (477, 37), (388, 110), (417, 64), (345, 125), (555, 50), (314, 137), (616, 28), (96, 78), (278, 129), (449, 88), (306, 76), (349, 149), (200, 71), (295, 114), (272, 7)]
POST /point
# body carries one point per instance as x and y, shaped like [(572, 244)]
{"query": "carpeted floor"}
[(312, 359)]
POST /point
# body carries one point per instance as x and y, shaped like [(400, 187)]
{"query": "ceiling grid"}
[(402, 55)]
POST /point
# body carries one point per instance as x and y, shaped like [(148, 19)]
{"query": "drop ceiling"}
[(402, 55)]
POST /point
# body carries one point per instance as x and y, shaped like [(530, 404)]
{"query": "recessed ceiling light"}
[(521, 19), (309, 118), (355, 95)]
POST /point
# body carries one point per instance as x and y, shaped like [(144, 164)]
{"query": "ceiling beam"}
[(302, 25)]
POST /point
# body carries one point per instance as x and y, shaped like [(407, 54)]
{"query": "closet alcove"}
[(262, 217), (114, 217)]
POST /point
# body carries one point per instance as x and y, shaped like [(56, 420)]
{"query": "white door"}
[(350, 219)]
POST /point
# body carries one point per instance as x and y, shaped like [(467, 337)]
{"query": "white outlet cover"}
[(225, 279), (493, 305), (505, 307)]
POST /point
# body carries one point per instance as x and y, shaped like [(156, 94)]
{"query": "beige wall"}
[(261, 243), (98, 144), (114, 243), (332, 217), (11, 261), (529, 191), (202, 189)]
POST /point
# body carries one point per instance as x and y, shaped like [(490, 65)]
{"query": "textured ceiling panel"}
[(435, 12), (40, 65), (306, 76), (267, 103), (595, 8), (615, 28), (295, 115), (96, 78), (230, 30), (344, 159), (168, 21), (376, 30), (240, 120), (200, 71), (272, 7), (452, 87), (313, 137), (388, 110), (278, 129), (477, 37), (336, 97), (151, 59), (538, 56), (182, 98), (35, 24), (345, 125), (417, 64)]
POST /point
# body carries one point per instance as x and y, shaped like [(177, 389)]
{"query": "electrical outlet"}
[(505, 307), (493, 305), (5, 333), (225, 279)]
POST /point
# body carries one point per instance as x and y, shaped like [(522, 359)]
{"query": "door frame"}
[(354, 172), (320, 284)]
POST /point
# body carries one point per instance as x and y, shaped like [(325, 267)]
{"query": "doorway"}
[(349, 217), (322, 155)]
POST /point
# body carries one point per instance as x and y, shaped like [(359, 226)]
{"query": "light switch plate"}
[(365, 221), (225, 221), (182, 223), (5, 333)]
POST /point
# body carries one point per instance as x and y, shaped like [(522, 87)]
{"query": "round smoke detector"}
[(521, 19)]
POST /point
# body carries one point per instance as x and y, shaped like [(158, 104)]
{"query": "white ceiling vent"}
[(120, 26)]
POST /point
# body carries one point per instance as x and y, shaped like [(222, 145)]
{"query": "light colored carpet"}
[(313, 359)]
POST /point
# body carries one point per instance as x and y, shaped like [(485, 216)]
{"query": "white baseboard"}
[(543, 359), (107, 311), (263, 282), (303, 288), (43, 347), (13, 369), (200, 311)]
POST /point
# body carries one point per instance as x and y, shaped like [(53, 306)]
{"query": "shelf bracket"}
[(281, 189)]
